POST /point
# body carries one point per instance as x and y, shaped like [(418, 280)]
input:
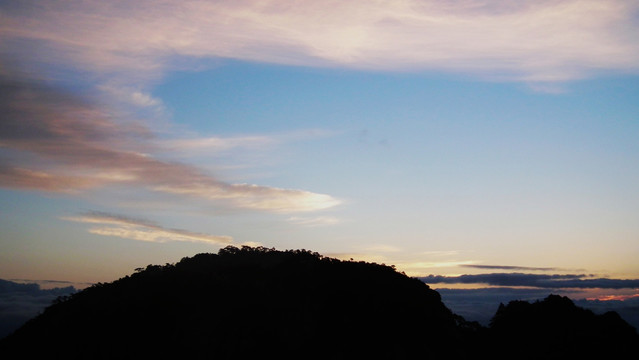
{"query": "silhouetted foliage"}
[(247, 302), (258, 302)]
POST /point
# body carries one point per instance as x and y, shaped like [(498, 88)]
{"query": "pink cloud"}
[(532, 41), (53, 141), (142, 230)]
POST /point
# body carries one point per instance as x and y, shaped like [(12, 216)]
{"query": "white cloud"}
[(534, 41), (142, 230), (218, 144), (255, 197), (134, 96)]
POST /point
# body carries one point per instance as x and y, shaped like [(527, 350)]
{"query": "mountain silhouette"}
[(258, 303), (246, 303), (555, 328)]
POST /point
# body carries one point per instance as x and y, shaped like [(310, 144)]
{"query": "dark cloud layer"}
[(549, 281)]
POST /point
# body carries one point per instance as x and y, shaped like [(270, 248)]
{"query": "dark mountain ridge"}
[(258, 302)]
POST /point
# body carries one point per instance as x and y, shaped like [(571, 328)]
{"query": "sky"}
[(468, 143)]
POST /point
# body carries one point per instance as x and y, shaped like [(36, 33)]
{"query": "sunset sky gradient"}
[(449, 138)]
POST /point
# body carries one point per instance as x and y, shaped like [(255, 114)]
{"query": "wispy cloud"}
[(412, 262), (142, 230), (53, 141), (510, 267), (314, 221), (553, 281), (434, 264), (20, 178), (136, 97), (217, 144), (533, 41)]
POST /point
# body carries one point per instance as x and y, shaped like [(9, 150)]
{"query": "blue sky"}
[(436, 136)]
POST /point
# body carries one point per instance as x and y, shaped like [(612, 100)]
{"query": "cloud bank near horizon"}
[(20, 302), (548, 281), (528, 41)]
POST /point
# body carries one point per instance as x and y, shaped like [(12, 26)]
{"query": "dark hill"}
[(246, 303), (556, 328), (264, 303)]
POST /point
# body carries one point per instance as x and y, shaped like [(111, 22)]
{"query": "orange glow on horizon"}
[(613, 297)]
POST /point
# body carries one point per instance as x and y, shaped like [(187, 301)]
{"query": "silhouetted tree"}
[(247, 302)]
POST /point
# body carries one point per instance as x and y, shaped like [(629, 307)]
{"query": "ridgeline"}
[(258, 302)]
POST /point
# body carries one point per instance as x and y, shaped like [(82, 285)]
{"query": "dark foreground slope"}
[(247, 303), (261, 303)]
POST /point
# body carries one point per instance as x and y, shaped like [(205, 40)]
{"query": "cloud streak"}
[(508, 267), (314, 221), (142, 230), (550, 281), (54, 141), (216, 144), (531, 41)]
